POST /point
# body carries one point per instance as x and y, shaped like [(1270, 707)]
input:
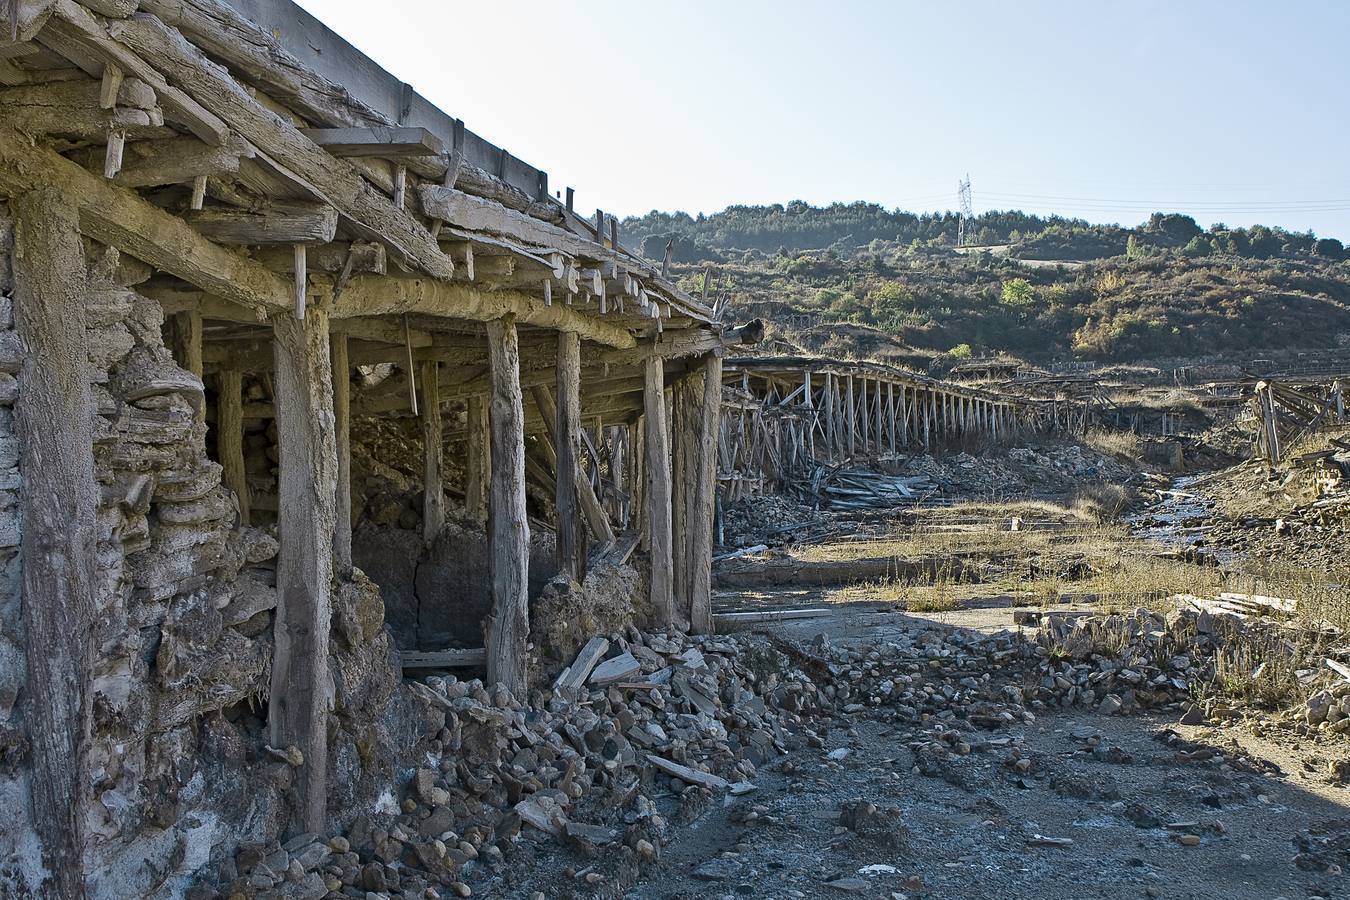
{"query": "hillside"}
[(1037, 287)]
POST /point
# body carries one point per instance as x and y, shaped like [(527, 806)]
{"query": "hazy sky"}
[(1232, 111)]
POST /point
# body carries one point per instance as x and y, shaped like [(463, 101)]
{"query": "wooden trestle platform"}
[(303, 217)]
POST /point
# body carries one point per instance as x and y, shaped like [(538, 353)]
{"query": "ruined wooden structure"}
[(259, 240), (781, 416), (1286, 413)]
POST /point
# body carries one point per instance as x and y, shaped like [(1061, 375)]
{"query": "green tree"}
[(1018, 292)]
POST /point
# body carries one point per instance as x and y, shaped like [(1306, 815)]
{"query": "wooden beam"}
[(479, 462), (230, 438), (596, 518), (367, 295), (58, 504), (571, 540), (700, 524), (306, 503), (658, 494), (116, 216), (508, 527), (433, 492), (339, 182), (342, 426), (288, 222), (387, 142)]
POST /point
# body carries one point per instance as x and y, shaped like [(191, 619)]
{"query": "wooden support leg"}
[(571, 539), (307, 516), (433, 492), (591, 509), (230, 438), (851, 419), (658, 493), (683, 440), (701, 516), (342, 422), (508, 528), (479, 461), (58, 503)]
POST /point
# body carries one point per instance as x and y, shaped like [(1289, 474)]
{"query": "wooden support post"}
[(58, 504), (891, 412), (810, 403), (306, 503), (684, 397), (508, 527), (186, 337), (198, 193), (700, 524), (902, 415), (930, 419), (591, 509), (827, 407), (342, 425), (571, 540), (864, 416), (433, 491), (879, 417), (851, 419), (479, 461), (230, 438), (658, 492)]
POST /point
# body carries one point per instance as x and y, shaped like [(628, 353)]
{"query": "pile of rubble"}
[(581, 763)]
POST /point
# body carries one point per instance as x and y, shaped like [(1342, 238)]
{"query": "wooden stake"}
[(230, 438), (411, 367), (112, 156), (110, 86), (701, 516), (658, 493), (306, 503), (508, 528), (570, 538), (433, 493), (342, 426), (57, 509), (198, 192), (400, 186), (478, 464), (301, 277)]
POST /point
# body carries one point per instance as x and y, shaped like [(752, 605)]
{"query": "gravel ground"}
[(1242, 809)]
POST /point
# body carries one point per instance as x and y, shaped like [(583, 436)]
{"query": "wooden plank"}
[(306, 503), (684, 773), (429, 414), (508, 527), (230, 438), (575, 675), (385, 141), (288, 222), (571, 550), (658, 506), (58, 504), (471, 658), (775, 615), (619, 668)]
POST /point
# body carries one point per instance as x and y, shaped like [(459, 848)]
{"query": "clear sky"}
[(1231, 111)]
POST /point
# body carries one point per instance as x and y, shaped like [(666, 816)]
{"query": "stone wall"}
[(182, 637)]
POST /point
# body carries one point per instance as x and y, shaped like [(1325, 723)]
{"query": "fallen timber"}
[(254, 290)]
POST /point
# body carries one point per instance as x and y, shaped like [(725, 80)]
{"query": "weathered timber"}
[(366, 295), (429, 413), (306, 504), (658, 494), (287, 222), (700, 522), (508, 527), (58, 502), (575, 675), (342, 426), (388, 142), (479, 462), (596, 518), (329, 259), (571, 550), (230, 438), (470, 658), (179, 160), (339, 182), (118, 217)]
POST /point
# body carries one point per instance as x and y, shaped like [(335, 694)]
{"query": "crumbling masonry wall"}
[(182, 637)]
